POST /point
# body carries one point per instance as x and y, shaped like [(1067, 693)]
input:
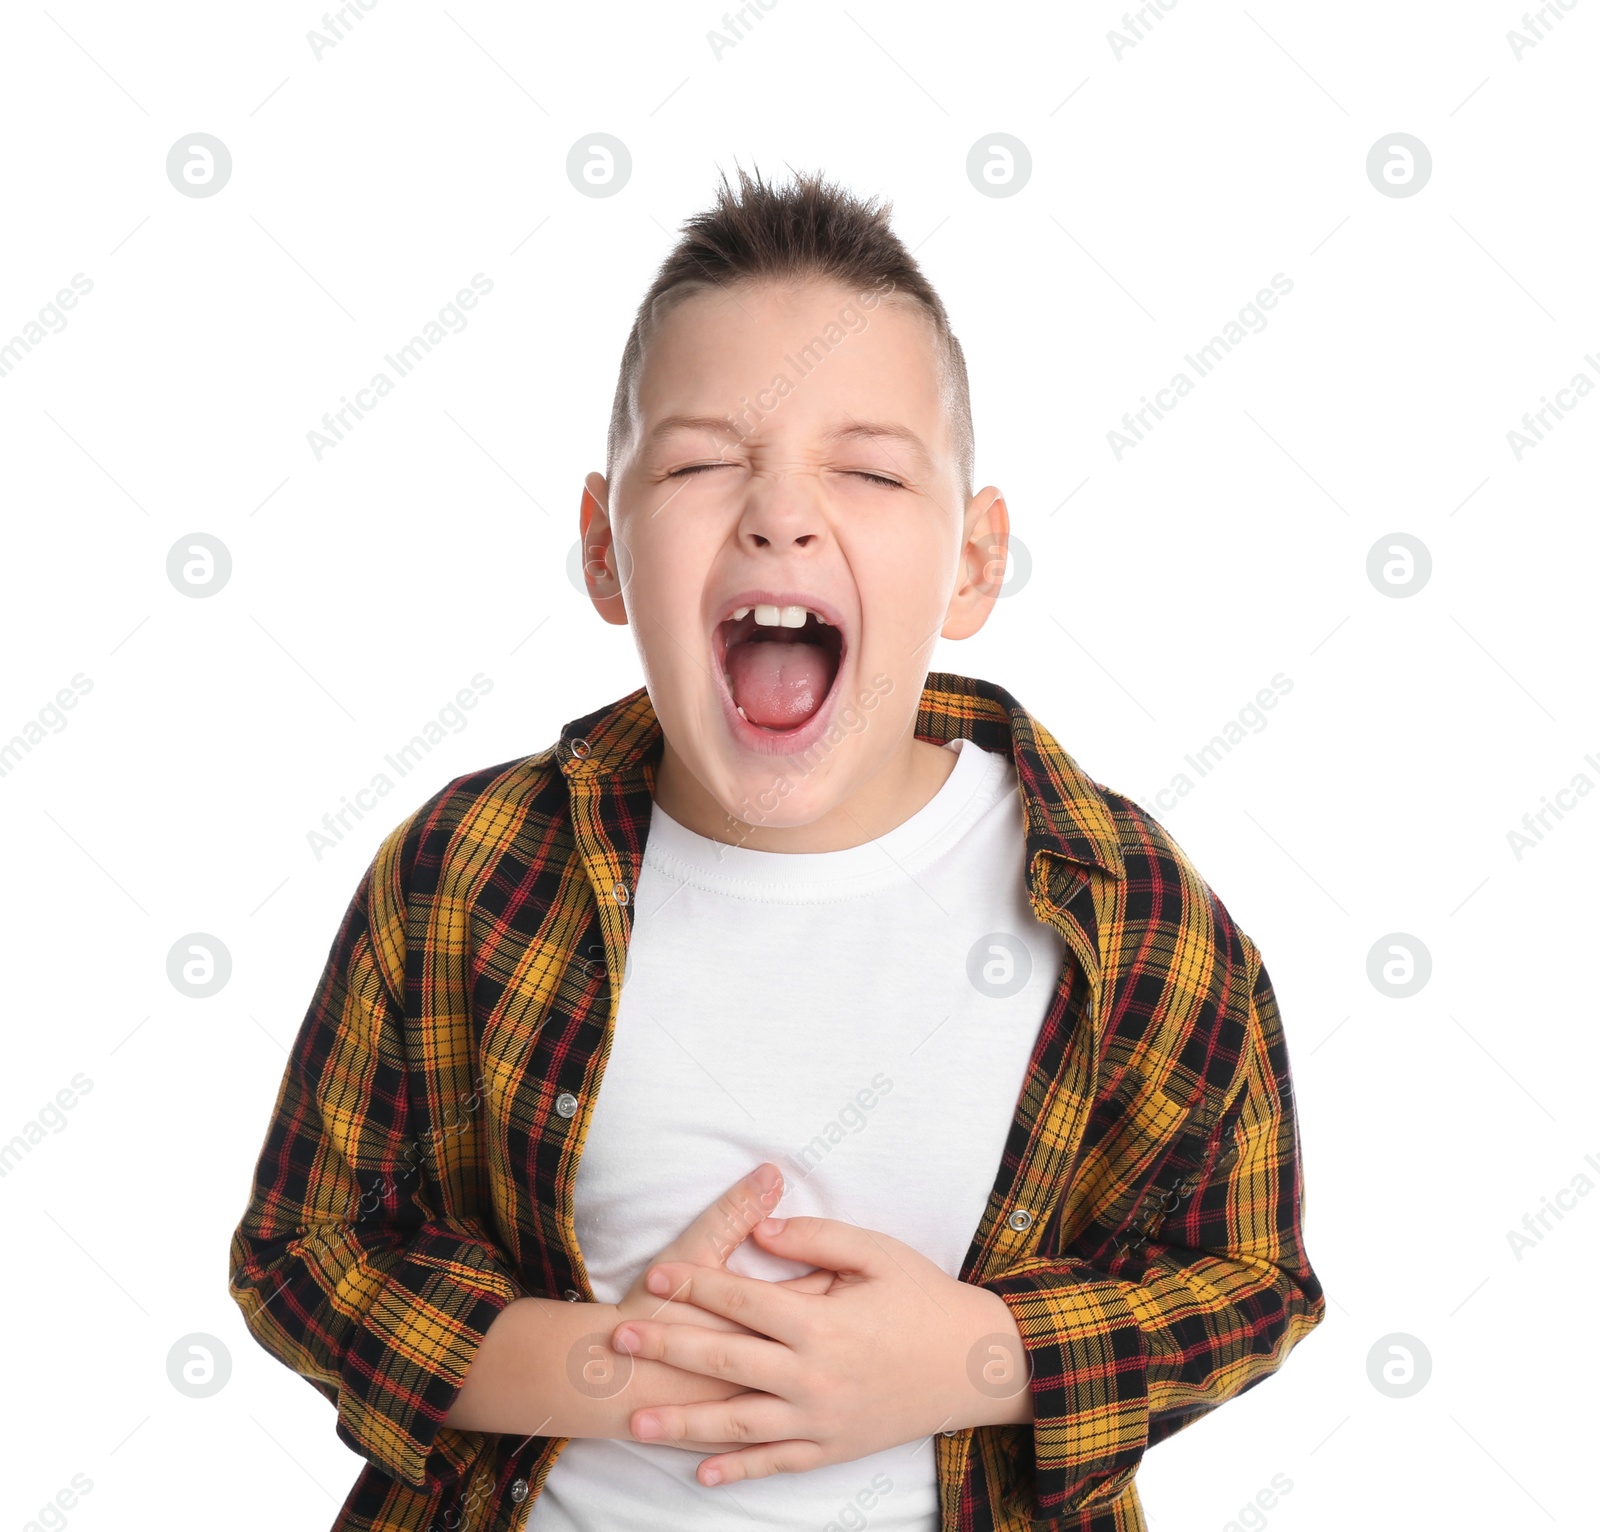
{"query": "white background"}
[(1168, 185)]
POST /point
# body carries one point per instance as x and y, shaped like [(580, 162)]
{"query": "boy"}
[(799, 923)]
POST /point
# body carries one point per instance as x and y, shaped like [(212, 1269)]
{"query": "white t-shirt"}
[(863, 1019)]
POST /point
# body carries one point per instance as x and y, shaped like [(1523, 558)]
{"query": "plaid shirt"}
[(1144, 1226)]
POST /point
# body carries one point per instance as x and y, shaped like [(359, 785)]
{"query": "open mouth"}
[(779, 664)]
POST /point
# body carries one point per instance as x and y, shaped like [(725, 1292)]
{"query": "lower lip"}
[(760, 741)]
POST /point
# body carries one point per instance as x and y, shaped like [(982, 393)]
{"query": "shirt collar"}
[(1066, 812)]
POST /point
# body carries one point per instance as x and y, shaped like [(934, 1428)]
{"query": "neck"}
[(902, 785)]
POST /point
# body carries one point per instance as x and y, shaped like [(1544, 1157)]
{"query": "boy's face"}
[(791, 462)]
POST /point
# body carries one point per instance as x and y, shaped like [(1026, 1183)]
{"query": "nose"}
[(781, 511)]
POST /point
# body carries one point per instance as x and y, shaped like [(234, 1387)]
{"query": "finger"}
[(824, 1242), (764, 1306), (726, 1224), (752, 1361), (759, 1462), (671, 1313), (818, 1281), (742, 1420)]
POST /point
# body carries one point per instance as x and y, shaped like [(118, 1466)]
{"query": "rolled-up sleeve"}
[(345, 1265), (1216, 1292)]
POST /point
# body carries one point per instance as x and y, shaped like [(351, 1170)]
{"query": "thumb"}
[(824, 1242), (726, 1224)]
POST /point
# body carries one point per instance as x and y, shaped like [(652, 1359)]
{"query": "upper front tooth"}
[(767, 616), (740, 613), (794, 617)]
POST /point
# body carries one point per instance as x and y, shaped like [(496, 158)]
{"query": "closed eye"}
[(859, 473), (875, 478)]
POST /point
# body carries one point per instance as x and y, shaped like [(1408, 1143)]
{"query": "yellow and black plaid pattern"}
[(1144, 1226)]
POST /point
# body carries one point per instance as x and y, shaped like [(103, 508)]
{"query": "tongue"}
[(779, 684)]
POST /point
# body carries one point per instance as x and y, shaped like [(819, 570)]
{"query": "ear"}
[(982, 570), (600, 576)]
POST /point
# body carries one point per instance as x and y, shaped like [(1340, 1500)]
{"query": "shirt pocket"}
[(1141, 1145)]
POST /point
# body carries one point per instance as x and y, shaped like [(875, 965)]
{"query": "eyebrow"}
[(860, 430), (721, 424), (869, 430)]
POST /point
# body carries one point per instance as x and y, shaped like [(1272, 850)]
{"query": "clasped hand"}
[(876, 1347)]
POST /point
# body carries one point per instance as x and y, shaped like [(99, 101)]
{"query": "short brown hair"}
[(806, 230)]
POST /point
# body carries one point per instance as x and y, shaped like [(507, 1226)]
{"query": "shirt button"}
[(566, 1103), (572, 1295), (519, 1490), (580, 750), (1020, 1219), (619, 892)]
